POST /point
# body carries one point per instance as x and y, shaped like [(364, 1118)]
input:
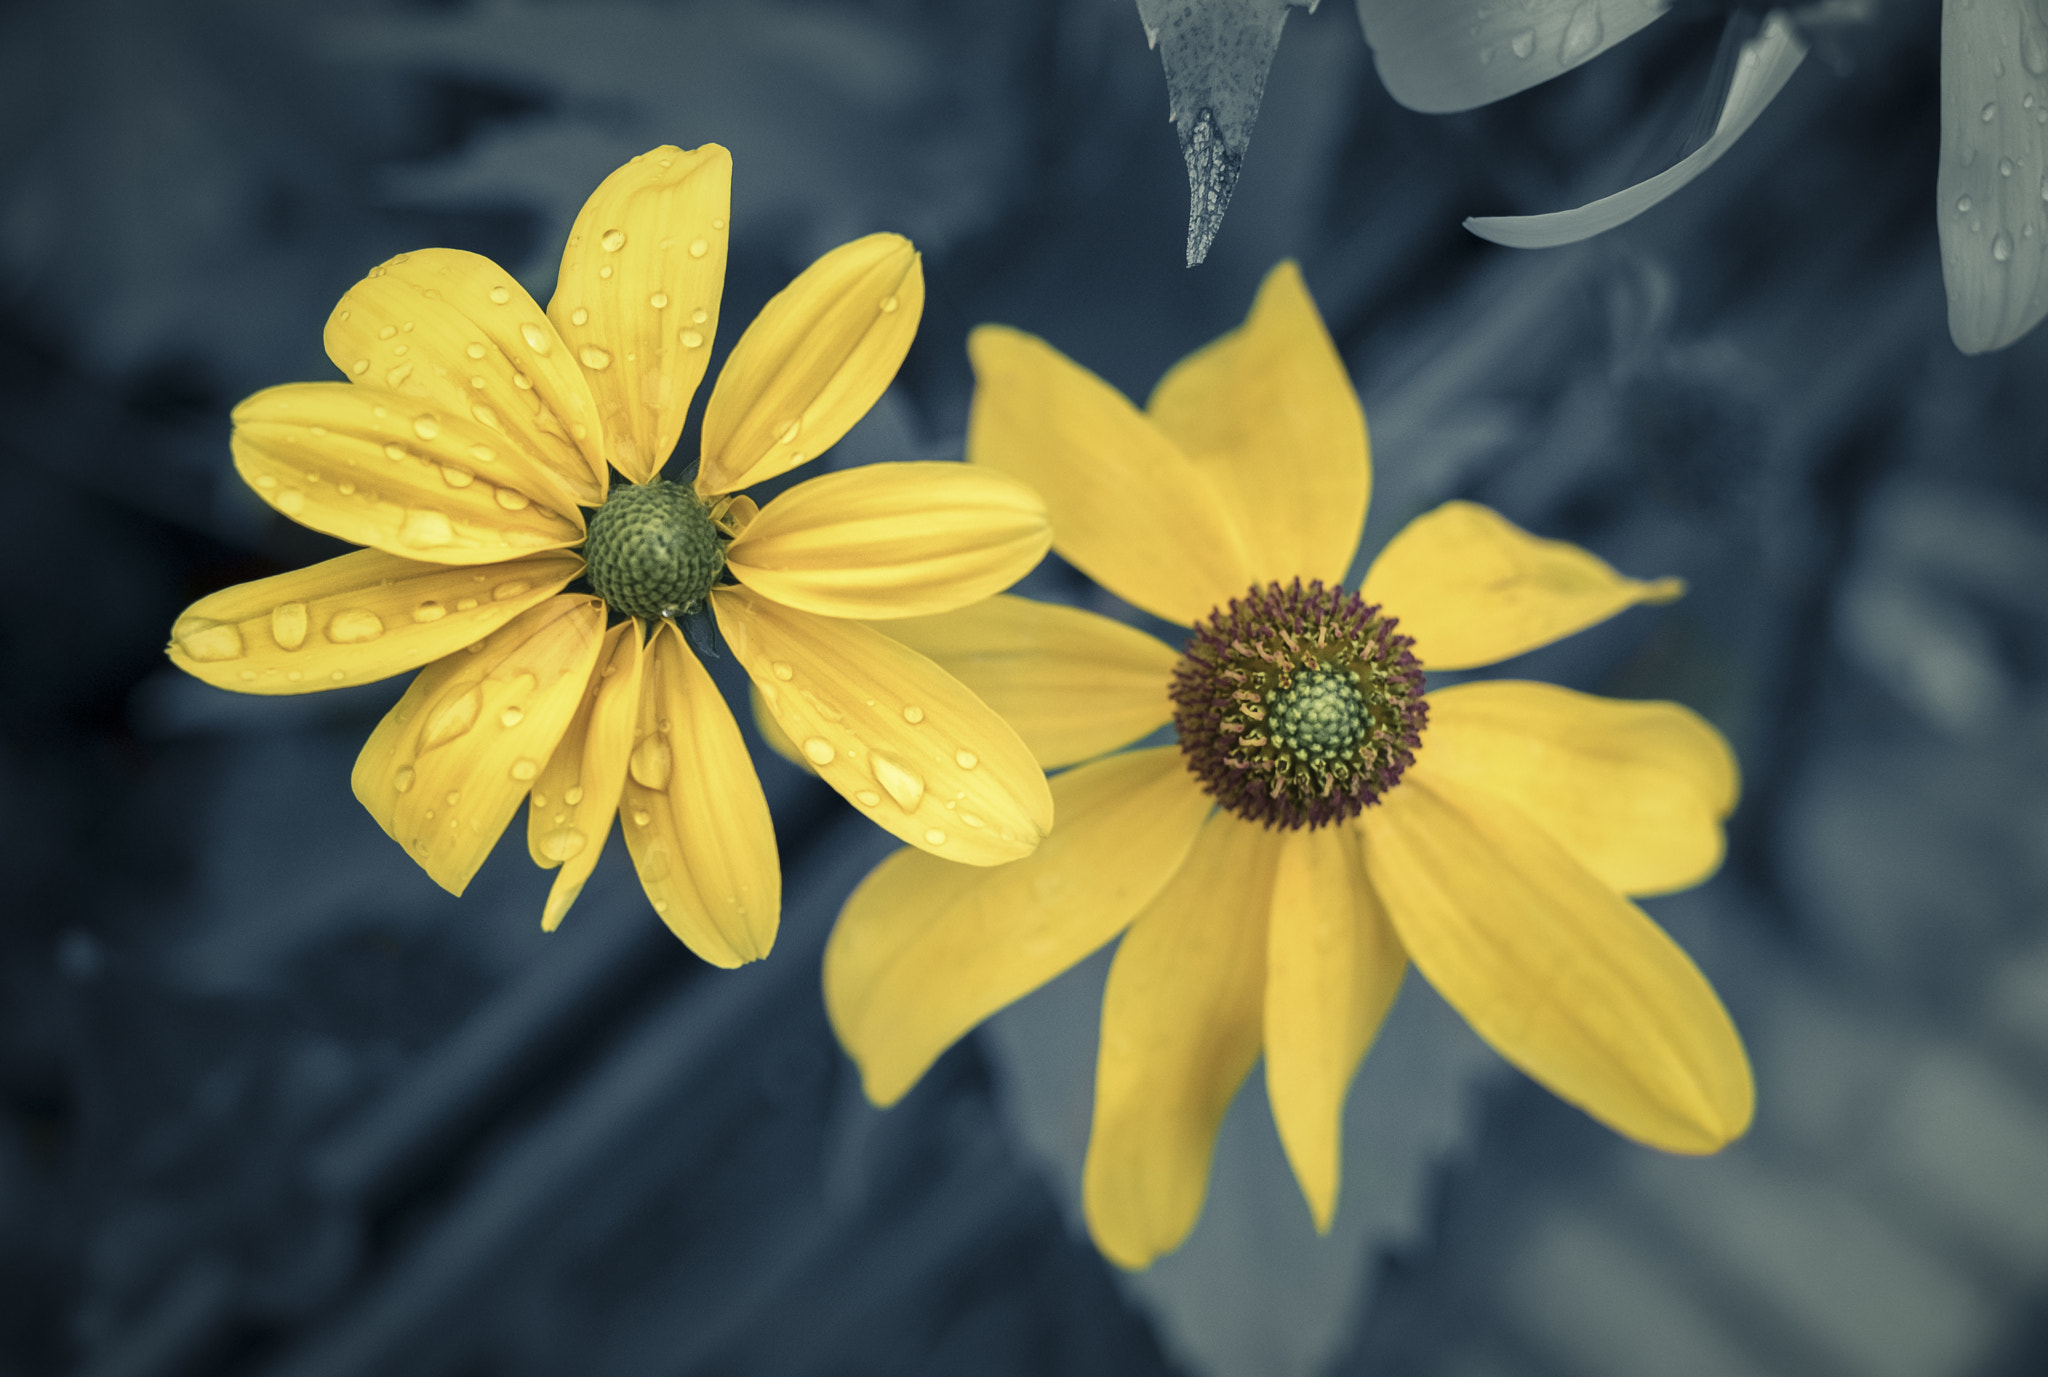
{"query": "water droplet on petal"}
[(913, 715), (451, 719), (574, 796), (782, 671), (699, 316), (288, 624), (966, 760), (868, 798), (499, 296), (523, 770), (402, 781), (563, 843), (1581, 34), (536, 337), (889, 303), (691, 339), (513, 501), (1523, 43), (641, 817), (456, 478), (594, 357), (2001, 246), (426, 427), (659, 301), (211, 644), (698, 248), (387, 332), (579, 316), (789, 431), (935, 836), (511, 717), (359, 367), (291, 501), (901, 782), (429, 611), (613, 240), (820, 751), (354, 626), (475, 351), (650, 763), (1963, 205), (425, 528), (971, 820), (1989, 112)]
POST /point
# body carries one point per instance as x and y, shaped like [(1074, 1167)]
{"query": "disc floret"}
[(1298, 706), (653, 549)]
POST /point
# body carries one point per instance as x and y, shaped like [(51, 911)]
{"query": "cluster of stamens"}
[(1298, 707), (653, 549)]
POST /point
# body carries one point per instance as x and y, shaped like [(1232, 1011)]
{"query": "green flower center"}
[(1298, 707), (653, 550)]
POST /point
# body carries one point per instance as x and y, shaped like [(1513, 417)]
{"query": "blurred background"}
[(272, 1104)]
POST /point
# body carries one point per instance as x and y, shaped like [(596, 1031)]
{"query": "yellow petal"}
[(1268, 414), (921, 756), (772, 734), (1333, 965), (1072, 683), (359, 617), (570, 811), (1567, 979), (1472, 587), (636, 300), (924, 950), (892, 540), (812, 363), (1128, 508), (694, 815), (1180, 1030), (456, 335), (398, 475), (1634, 791), (446, 768)]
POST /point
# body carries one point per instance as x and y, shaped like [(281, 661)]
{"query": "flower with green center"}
[(1321, 822), (473, 431)]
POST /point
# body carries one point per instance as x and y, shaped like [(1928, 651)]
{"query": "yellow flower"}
[(474, 428), (1488, 831)]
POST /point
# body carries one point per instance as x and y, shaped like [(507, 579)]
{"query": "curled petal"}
[(924, 950), (892, 540), (1762, 68), (360, 617), (394, 474), (694, 815), (1180, 1030), (569, 813), (1073, 684), (921, 756), (1635, 792), (1567, 979), (1268, 414), (458, 336), (445, 770), (1472, 587), (636, 300), (1128, 508), (817, 357), (1438, 56)]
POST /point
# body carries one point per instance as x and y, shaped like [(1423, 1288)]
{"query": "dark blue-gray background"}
[(271, 1103)]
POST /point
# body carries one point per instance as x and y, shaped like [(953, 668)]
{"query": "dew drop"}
[(212, 644), (511, 717), (345, 489), (1963, 205), (536, 338), (579, 316), (574, 796), (2001, 246), (429, 611), (650, 763), (966, 760), (659, 301), (393, 377), (699, 316), (913, 714), (691, 339), (563, 843), (288, 624), (511, 589), (971, 820), (360, 367), (425, 528), (901, 782), (291, 501), (594, 357), (820, 751), (426, 427), (613, 240), (499, 296), (1523, 43), (387, 332), (867, 798), (354, 626), (789, 431), (402, 781), (513, 501), (698, 248), (451, 719), (889, 303), (783, 671), (605, 271), (641, 817), (1989, 112), (524, 769), (935, 836), (456, 478), (1581, 35), (2005, 167)]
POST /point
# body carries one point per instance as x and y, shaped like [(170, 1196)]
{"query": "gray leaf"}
[(1217, 53), (1761, 71), (1438, 56), (1991, 199)]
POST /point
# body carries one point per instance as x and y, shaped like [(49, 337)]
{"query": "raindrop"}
[(451, 720), (354, 626), (426, 427), (2005, 167), (425, 528), (1989, 112), (511, 589), (789, 431), (698, 248), (1581, 35), (913, 715), (889, 304), (394, 376), (429, 611), (700, 315), (971, 820), (966, 760), (1523, 43), (456, 478), (288, 624), (605, 271), (594, 357), (513, 501), (211, 644), (360, 367), (395, 452), (783, 671), (1963, 204), (867, 798), (691, 339), (499, 296), (485, 416), (901, 782), (387, 332), (2001, 246), (935, 836), (574, 796), (641, 817), (579, 316), (345, 489), (476, 351), (511, 717), (536, 338), (523, 770), (613, 240), (659, 301), (563, 843), (820, 751), (402, 781), (650, 763)]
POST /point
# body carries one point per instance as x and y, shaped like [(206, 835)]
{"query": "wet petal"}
[(1472, 587), (445, 770), (1568, 980), (924, 950), (456, 335), (1333, 966), (636, 300), (1268, 414), (354, 619), (892, 540), (1992, 190), (397, 475), (772, 734), (1438, 56), (1181, 1024), (812, 363), (1128, 508), (1762, 68), (694, 815), (570, 812), (1072, 683), (898, 736), (1634, 792)]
